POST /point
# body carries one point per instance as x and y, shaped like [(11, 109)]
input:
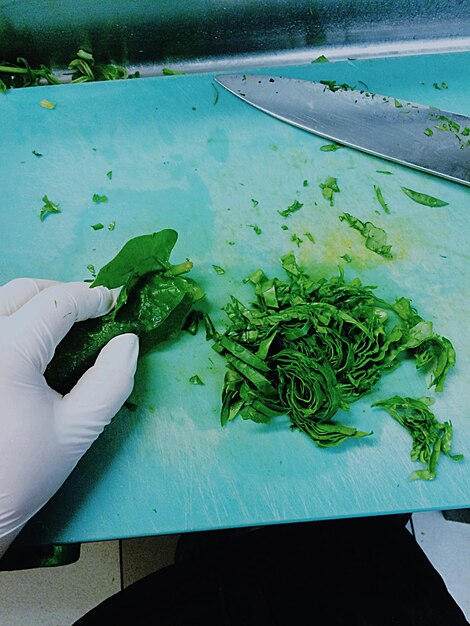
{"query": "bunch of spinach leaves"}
[(308, 348), (154, 301)]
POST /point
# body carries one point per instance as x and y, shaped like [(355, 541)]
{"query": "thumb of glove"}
[(83, 413)]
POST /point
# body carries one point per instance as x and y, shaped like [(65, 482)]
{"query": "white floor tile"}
[(59, 596), (447, 546)]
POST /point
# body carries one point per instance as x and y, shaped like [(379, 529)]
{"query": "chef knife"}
[(415, 135)]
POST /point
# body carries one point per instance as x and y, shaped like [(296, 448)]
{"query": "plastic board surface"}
[(189, 156)]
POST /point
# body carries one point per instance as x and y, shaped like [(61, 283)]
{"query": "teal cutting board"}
[(189, 156)]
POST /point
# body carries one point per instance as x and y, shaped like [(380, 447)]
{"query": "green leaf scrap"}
[(431, 438), (375, 238), (422, 198), (48, 208)]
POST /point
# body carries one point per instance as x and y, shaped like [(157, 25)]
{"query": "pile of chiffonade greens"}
[(308, 348)]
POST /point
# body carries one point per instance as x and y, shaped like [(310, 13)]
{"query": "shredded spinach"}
[(422, 198), (380, 198), (293, 208), (153, 303), (83, 69), (431, 438), (308, 348)]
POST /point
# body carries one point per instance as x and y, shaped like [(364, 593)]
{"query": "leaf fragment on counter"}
[(166, 71), (47, 104), (98, 226), (48, 208), (196, 380), (375, 238), (97, 198), (293, 208), (329, 188), (321, 59), (423, 198), (330, 147), (380, 198), (430, 437), (218, 269)]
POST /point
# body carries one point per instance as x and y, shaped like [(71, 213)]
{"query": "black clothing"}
[(354, 572)]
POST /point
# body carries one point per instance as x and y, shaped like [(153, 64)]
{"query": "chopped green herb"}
[(112, 226), (310, 237), (216, 98), (218, 269), (84, 69), (254, 202), (309, 348), (329, 187), (92, 270), (49, 207), (295, 206), (380, 198), (296, 239), (98, 226), (441, 86), (431, 438), (47, 104), (428, 132), (422, 198), (256, 228), (195, 380), (166, 71), (109, 174), (375, 238), (97, 198), (384, 172), (305, 183), (397, 103), (330, 147), (346, 257), (333, 86), (284, 227), (321, 59), (37, 154)]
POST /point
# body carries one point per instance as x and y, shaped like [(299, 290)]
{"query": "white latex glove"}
[(42, 434)]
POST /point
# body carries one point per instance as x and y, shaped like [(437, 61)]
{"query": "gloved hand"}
[(42, 434)]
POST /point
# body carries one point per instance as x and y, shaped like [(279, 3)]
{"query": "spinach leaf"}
[(422, 198), (430, 437), (154, 302)]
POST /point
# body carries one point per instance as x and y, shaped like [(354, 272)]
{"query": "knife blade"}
[(418, 136)]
